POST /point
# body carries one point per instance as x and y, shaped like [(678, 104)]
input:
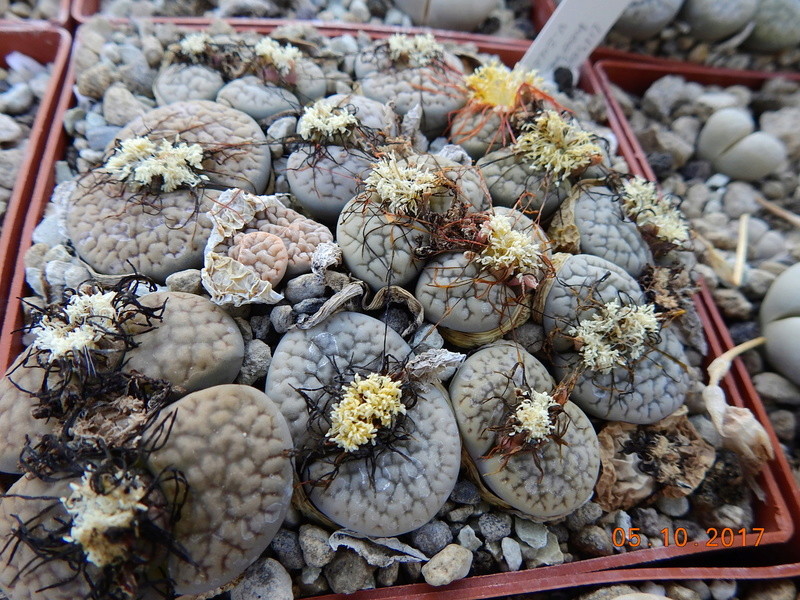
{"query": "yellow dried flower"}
[(280, 57), (497, 85), (507, 248), (99, 516), (366, 405), (532, 415), (615, 335), (641, 202), (557, 147), (323, 120), (418, 50), (402, 188)]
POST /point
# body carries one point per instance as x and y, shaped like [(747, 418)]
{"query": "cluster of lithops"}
[(321, 253)]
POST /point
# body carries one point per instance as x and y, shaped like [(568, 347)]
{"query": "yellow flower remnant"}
[(367, 404), (497, 85), (280, 57), (418, 50), (641, 202), (141, 160), (401, 188), (557, 147), (508, 249), (615, 335), (88, 318), (323, 120), (532, 415), (98, 516)]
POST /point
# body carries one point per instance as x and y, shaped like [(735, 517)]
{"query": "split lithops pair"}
[(144, 209), (254, 74), (377, 443)]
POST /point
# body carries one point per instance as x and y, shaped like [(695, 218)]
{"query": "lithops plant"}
[(532, 447), (626, 365), (780, 322), (499, 101), (381, 229), (534, 173), (411, 71), (340, 137), (378, 446)]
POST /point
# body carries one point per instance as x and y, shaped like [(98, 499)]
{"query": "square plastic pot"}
[(772, 515), (46, 44)]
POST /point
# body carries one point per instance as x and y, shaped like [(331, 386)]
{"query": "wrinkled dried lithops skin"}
[(179, 83), (377, 247), (654, 387), (196, 345), (565, 299), (243, 160), (258, 99), (591, 221), (457, 294), (512, 183), (115, 233), (18, 579), (483, 381), (564, 480), (323, 181), (410, 485), (16, 420), (308, 358), (230, 442)]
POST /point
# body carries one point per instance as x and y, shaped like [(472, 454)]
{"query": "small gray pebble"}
[(673, 507), (266, 579), (494, 526), (465, 492), (314, 545), (723, 589), (587, 514), (282, 318), (309, 306), (286, 546), (348, 573), (431, 537), (303, 287)]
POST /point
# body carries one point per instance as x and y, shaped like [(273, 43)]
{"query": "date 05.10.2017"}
[(717, 538)]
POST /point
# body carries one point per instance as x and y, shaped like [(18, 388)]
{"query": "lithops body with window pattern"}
[(482, 291), (340, 136), (499, 102), (384, 443), (627, 365), (144, 209), (410, 71), (255, 74), (533, 448), (536, 171), (381, 230)]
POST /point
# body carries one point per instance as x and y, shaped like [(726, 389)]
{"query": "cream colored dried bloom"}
[(641, 202), (142, 161), (418, 50), (323, 120), (509, 249), (497, 85), (402, 188), (532, 415), (366, 405), (557, 147), (99, 516), (194, 43), (89, 317), (280, 57), (615, 335)]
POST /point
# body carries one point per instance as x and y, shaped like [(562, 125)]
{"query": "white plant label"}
[(571, 34)]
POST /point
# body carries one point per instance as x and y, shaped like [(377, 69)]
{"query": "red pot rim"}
[(541, 578)]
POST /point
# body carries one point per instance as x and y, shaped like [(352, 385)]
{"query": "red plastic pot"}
[(46, 44), (772, 515)]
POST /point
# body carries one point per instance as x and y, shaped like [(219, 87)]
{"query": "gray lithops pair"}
[(780, 322), (627, 366), (534, 173), (109, 529), (536, 453), (381, 229), (340, 137), (413, 71), (254, 74), (144, 209), (380, 450)]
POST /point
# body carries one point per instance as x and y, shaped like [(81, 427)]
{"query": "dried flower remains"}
[(417, 51), (401, 188), (175, 164), (532, 415), (323, 121), (507, 249), (497, 85), (283, 58), (641, 202)]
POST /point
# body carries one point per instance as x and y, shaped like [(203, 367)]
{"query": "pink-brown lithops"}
[(536, 454), (195, 345), (231, 444)]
